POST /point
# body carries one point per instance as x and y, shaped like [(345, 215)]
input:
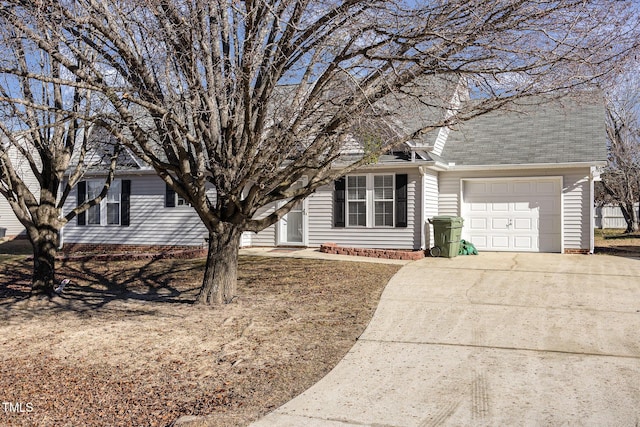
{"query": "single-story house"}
[(522, 181)]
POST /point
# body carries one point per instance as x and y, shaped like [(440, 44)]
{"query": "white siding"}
[(577, 207), (441, 140), (8, 219), (151, 222), (321, 227), (245, 241), (576, 198), (430, 204), (266, 237)]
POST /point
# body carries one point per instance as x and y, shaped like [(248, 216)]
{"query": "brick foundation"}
[(577, 251), (332, 248)]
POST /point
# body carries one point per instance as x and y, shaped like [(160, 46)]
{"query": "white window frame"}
[(349, 201), (103, 205), (180, 201), (370, 200), (392, 200)]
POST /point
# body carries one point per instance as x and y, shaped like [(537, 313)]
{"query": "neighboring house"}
[(521, 181)]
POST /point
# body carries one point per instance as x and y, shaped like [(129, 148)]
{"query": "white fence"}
[(610, 217)]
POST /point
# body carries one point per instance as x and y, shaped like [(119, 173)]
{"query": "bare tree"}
[(43, 139), (251, 96), (621, 177)]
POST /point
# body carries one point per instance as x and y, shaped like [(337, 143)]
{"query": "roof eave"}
[(453, 167)]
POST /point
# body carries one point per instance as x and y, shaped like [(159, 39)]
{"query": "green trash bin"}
[(447, 233)]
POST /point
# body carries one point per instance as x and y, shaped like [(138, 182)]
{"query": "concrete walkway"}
[(494, 339)]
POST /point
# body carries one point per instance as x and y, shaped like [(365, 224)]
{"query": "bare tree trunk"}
[(45, 248), (221, 272), (630, 216)]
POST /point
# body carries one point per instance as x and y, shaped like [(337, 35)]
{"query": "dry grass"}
[(124, 345), (616, 242)]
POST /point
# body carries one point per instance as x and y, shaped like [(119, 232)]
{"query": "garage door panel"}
[(477, 187), (477, 224), (527, 224), (524, 206), (517, 215), (523, 243), (499, 242), (523, 187), (499, 223), (499, 207), (547, 187), (478, 207), (499, 187)]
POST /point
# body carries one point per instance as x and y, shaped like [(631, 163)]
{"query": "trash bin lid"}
[(449, 219)]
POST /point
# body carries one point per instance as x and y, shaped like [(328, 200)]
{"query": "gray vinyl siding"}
[(575, 194), (151, 222), (321, 229)]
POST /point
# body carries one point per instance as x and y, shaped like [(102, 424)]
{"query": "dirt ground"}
[(124, 345), (616, 242)]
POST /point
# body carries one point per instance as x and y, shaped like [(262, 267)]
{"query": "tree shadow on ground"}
[(622, 236), (625, 251), (95, 285), (16, 247)]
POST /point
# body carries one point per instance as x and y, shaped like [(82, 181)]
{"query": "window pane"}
[(113, 213), (383, 214), (356, 187), (358, 214), (114, 191), (93, 189), (383, 195), (93, 215), (383, 187)]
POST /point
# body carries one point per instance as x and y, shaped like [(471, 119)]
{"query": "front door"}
[(293, 225)]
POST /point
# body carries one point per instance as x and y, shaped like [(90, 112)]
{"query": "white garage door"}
[(513, 215)]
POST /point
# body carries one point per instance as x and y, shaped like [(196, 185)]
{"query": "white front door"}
[(292, 227), (515, 214)]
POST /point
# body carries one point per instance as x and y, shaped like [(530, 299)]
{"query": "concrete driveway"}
[(494, 339)]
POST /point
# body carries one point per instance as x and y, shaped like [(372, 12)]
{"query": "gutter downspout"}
[(593, 175)]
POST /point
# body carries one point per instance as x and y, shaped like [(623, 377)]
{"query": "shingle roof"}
[(550, 132)]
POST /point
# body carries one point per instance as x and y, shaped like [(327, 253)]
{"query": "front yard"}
[(124, 346), (616, 242)]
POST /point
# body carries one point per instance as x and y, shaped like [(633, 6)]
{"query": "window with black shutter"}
[(401, 200), (125, 203), (339, 203), (371, 200), (82, 195), (169, 197)]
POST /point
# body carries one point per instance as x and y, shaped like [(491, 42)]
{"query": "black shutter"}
[(169, 197), (401, 200), (125, 203), (339, 203), (82, 195)]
